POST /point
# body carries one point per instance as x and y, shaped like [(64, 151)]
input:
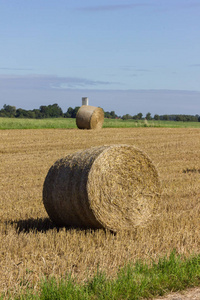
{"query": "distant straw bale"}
[(89, 117), (113, 187)]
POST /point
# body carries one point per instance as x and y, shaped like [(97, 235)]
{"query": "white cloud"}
[(46, 82), (99, 8), (15, 69), (195, 65)]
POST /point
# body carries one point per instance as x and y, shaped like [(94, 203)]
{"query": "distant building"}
[(84, 100)]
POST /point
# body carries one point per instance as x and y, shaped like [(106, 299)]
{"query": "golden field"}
[(32, 247)]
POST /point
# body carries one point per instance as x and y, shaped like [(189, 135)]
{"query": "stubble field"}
[(32, 247)]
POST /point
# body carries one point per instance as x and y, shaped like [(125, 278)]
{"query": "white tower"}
[(84, 100)]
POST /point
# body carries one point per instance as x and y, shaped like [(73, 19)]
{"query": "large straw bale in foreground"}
[(114, 187), (89, 117)]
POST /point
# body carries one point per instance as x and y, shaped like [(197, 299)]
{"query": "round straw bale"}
[(113, 187), (89, 117)]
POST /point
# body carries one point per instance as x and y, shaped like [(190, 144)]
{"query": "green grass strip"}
[(133, 281), (119, 123), (69, 123), (53, 123)]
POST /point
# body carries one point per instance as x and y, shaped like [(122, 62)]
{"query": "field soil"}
[(191, 294), (32, 247)]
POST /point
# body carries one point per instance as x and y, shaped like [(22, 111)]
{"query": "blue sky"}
[(124, 55)]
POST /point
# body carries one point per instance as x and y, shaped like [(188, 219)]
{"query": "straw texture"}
[(113, 187), (89, 117)]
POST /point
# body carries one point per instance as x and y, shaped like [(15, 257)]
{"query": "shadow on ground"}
[(41, 225), (31, 224)]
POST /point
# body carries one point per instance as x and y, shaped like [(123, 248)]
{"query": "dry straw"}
[(113, 187), (89, 117)]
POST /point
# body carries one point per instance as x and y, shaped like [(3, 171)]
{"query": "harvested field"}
[(31, 246)]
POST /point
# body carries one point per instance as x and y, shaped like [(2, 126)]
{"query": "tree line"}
[(174, 117), (54, 111), (44, 111)]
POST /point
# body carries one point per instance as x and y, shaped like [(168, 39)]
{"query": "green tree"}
[(9, 111), (69, 113), (20, 113), (110, 115), (51, 111), (44, 111), (37, 113), (156, 117), (139, 116), (55, 111), (75, 110), (107, 114), (166, 117), (179, 118), (148, 116), (113, 115), (127, 117)]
